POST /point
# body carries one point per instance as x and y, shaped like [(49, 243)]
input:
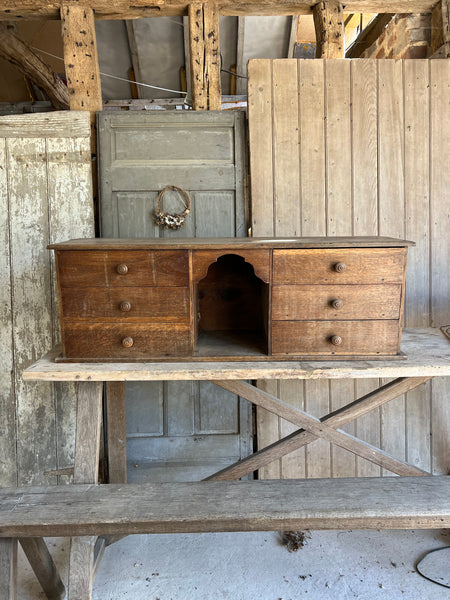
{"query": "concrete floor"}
[(369, 565)]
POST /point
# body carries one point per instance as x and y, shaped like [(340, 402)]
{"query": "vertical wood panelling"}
[(8, 468), (440, 247), (260, 139), (312, 160), (373, 160), (45, 197), (365, 214), (285, 149), (417, 223), (338, 165), (30, 265), (391, 202), (70, 216)]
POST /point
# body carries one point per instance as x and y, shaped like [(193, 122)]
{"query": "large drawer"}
[(343, 266), (326, 302), (316, 337), (155, 304), (99, 268), (125, 340)]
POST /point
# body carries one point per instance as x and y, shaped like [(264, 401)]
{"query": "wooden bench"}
[(218, 506)]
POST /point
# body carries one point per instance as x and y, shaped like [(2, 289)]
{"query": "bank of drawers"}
[(144, 303), (340, 301), (124, 304)]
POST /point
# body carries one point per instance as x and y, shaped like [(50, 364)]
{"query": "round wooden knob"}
[(125, 306), (339, 267), (337, 304), (122, 269), (336, 340), (127, 342)]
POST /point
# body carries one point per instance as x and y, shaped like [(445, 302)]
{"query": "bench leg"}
[(87, 449), (41, 562), (8, 568)]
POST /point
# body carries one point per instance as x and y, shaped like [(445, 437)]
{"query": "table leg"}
[(43, 566), (87, 449), (8, 568)]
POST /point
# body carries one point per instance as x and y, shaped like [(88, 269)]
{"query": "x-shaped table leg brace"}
[(326, 428)]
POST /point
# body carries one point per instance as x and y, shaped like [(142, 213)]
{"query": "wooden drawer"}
[(326, 302), (155, 304), (314, 337), (99, 268), (98, 340), (343, 266)]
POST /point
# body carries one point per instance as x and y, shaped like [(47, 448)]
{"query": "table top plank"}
[(427, 353)]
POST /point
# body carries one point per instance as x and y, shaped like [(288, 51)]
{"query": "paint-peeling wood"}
[(329, 26), (21, 55), (42, 199), (135, 9), (8, 467)]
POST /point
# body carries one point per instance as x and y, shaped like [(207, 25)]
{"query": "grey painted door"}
[(176, 430)]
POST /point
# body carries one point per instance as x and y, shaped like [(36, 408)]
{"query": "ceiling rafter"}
[(134, 9)]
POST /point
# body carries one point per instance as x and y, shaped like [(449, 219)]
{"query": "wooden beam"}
[(43, 566), (21, 55), (301, 437), (136, 9), (80, 58), (318, 428), (329, 25), (440, 29), (368, 35), (347, 503), (204, 56)]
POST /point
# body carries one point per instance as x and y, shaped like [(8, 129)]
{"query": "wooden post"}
[(205, 56), (329, 25), (87, 447), (43, 566), (8, 568), (21, 55)]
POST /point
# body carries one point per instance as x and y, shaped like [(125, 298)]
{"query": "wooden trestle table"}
[(96, 515)]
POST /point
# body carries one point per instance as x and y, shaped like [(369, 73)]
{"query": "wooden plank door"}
[(176, 430), (358, 147)]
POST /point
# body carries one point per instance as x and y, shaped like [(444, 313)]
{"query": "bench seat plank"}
[(363, 503)]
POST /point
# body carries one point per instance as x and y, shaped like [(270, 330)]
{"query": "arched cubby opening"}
[(231, 309)]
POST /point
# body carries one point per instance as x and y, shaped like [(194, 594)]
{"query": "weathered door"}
[(176, 430)]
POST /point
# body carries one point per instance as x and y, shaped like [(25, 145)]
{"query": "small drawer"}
[(340, 302), (155, 304), (342, 266), (125, 340), (334, 338), (99, 268)]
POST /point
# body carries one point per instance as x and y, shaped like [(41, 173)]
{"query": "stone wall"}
[(406, 36)]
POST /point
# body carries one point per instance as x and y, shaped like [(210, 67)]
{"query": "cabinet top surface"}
[(225, 243)]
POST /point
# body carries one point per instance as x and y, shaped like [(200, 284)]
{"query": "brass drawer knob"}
[(127, 342), (336, 340), (337, 304), (122, 269), (339, 267), (125, 306)]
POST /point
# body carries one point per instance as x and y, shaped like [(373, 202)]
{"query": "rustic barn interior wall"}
[(45, 196), (358, 148)]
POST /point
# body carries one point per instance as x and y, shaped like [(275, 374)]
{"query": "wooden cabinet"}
[(208, 299)]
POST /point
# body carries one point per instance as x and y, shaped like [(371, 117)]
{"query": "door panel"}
[(176, 430)]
